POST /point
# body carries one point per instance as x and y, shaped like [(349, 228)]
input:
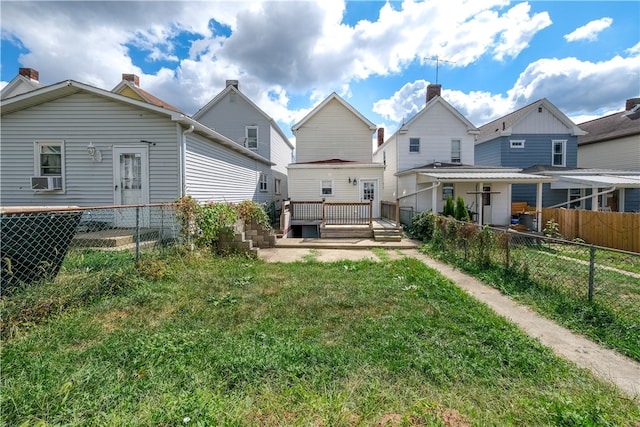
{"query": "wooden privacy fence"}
[(618, 230)]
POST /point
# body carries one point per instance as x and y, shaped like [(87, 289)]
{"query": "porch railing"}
[(390, 211), (333, 213)]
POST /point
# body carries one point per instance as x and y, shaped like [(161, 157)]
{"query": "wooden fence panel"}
[(618, 230)]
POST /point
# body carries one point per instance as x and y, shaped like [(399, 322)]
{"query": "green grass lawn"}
[(197, 340)]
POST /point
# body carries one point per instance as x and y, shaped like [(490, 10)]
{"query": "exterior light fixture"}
[(94, 153)]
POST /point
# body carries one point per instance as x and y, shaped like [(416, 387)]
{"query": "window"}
[(327, 187), (251, 137), (447, 190), (575, 193), (263, 182), (49, 158), (558, 152), (455, 151), (276, 186), (517, 143), (414, 145)]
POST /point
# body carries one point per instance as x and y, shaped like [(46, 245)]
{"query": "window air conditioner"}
[(46, 183)]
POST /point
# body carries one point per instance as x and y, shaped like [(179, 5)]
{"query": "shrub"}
[(449, 209), (250, 210), (461, 213), (422, 225)]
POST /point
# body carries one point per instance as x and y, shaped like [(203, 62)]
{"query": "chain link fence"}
[(36, 241), (589, 287)]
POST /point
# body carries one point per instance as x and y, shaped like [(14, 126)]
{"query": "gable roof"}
[(126, 88), (502, 126), (617, 125), (71, 87), (471, 128), (344, 104), (19, 85), (231, 88)]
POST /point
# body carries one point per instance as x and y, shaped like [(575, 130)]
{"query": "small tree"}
[(461, 212), (449, 209)]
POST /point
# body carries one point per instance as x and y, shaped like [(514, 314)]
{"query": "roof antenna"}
[(438, 61)]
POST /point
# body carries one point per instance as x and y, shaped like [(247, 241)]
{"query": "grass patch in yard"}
[(236, 341)]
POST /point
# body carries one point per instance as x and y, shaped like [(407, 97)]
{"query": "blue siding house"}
[(538, 136)]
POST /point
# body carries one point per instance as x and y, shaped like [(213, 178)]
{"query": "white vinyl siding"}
[(78, 119), (334, 132), (622, 154)]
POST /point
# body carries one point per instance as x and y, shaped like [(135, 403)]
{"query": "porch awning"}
[(598, 181), (512, 177)]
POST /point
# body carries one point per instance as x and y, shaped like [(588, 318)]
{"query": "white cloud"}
[(590, 31)]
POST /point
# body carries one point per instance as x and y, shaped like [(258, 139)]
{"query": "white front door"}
[(486, 204), (130, 184), (369, 191)]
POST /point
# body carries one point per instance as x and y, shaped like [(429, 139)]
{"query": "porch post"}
[(370, 213), (480, 204), (434, 200), (594, 199), (539, 208)]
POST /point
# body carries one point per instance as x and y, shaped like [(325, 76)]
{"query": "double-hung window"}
[(326, 187), (414, 145), (447, 190), (455, 151), (263, 182), (276, 186), (559, 152), (251, 137), (48, 165)]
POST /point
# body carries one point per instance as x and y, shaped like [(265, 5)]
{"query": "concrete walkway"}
[(604, 363)]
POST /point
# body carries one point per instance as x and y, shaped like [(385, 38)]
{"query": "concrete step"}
[(387, 235)]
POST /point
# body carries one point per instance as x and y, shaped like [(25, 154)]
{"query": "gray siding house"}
[(539, 136), (234, 115), (72, 144)]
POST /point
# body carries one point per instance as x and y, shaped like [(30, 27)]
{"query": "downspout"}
[(183, 161)]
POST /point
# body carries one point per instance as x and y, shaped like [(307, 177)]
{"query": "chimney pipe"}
[(631, 102), (380, 136), (132, 78), (433, 90), (29, 73)]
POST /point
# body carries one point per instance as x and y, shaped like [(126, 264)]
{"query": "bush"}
[(461, 213), (422, 225)]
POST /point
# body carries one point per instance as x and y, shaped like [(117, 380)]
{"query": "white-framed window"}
[(326, 187), (48, 162), (455, 151), (558, 152), (263, 182), (276, 185), (575, 193), (517, 143), (447, 190), (414, 145), (251, 137)]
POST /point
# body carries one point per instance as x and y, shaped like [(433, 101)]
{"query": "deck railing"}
[(333, 213), (390, 211)]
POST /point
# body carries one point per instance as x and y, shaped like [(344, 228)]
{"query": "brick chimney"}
[(29, 73), (433, 90), (380, 136), (234, 83), (132, 78), (631, 102)]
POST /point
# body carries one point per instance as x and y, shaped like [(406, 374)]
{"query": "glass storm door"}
[(486, 204), (130, 184), (368, 190)]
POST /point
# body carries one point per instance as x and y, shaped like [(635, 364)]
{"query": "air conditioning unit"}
[(46, 183)]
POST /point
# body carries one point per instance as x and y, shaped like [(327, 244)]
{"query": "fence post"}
[(592, 258), (137, 233), (508, 250)]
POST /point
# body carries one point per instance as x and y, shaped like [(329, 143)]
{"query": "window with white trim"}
[(326, 187), (414, 145), (276, 186), (558, 152), (447, 190), (251, 137), (455, 151), (263, 182), (48, 166), (517, 143), (575, 193)]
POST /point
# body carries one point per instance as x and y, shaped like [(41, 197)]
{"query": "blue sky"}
[(584, 56)]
